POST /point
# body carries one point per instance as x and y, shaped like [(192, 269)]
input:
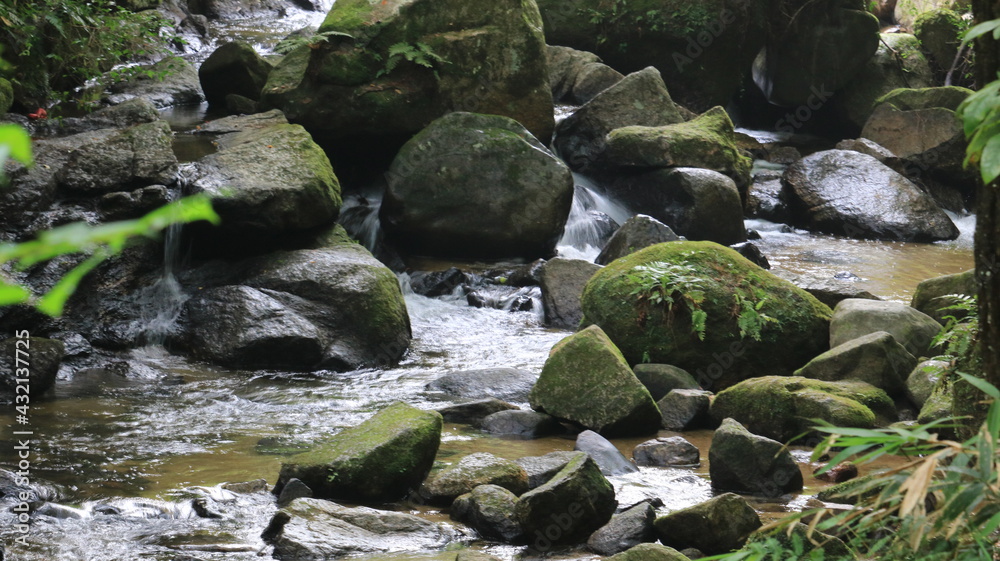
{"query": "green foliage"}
[(58, 45), (660, 283), (750, 319), (959, 333), (314, 41), (773, 549), (980, 115), (418, 53), (15, 143)]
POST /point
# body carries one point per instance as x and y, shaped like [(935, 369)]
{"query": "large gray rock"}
[(650, 552), (854, 195), (718, 525), (233, 68), (640, 98), (682, 410), (509, 384), (765, 197), (522, 424), (604, 453), (853, 318), (489, 510), (636, 233), (667, 451), (269, 180), (477, 469), (379, 460), (930, 297), (569, 507), (389, 69), (116, 160), (168, 82), (28, 364), (562, 282), (743, 462), (543, 468), (474, 185), (699, 204), (660, 379), (624, 531), (876, 358), (314, 530), (587, 381), (578, 76)]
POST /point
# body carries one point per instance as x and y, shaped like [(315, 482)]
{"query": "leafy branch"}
[(667, 284), (418, 53)]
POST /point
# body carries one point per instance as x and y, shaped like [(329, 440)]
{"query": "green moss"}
[(642, 330), (909, 99), (649, 552)]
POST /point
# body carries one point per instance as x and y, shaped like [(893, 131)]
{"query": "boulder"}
[(523, 424), (925, 377), (940, 34), (682, 410), (509, 384), (562, 281), (853, 318), (473, 412), (813, 51), (907, 12), (474, 185), (625, 530), (898, 63), (831, 290), (931, 295), (269, 180), (699, 204), (743, 462), (569, 507), (294, 489), (233, 68), (379, 460), (132, 112), (866, 146), (638, 232), (578, 76), (704, 52), (470, 472), (718, 525), (851, 194), (242, 123), (28, 366), (719, 281), (939, 405), (660, 379), (876, 358), (667, 452), (489, 510), (783, 407), (123, 205), (650, 552), (704, 142), (604, 453), (640, 98), (388, 70), (765, 197), (541, 469), (586, 380), (116, 160), (314, 530), (170, 81)]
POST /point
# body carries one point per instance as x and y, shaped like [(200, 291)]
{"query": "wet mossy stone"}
[(569, 507), (707, 141), (783, 407), (855, 317), (489, 510), (660, 379), (233, 68), (940, 33), (910, 99), (481, 186), (471, 471), (931, 295), (743, 462), (652, 332), (360, 81), (876, 358), (119, 160), (624, 531), (587, 381), (718, 525), (381, 459), (649, 552), (925, 377)]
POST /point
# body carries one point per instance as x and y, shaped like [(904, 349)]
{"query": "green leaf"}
[(989, 164), (14, 144), (981, 29), (984, 386), (12, 294)]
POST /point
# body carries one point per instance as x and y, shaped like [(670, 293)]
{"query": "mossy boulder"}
[(269, 180), (651, 332), (233, 68), (940, 404), (649, 552), (569, 507), (898, 63), (379, 460), (6, 95), (470, 472), (940, 34), (660, 379), (931, 295), (587, 381), (743, 462), (855, 317), (876, 358), (705, 142), (481, 186), (908, 11), (489, 510), (925, 377), (718, 525), (783, 407), (703, 49), (387, 69)]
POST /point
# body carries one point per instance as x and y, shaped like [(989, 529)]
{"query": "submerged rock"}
[(743, 462), (587, 381), (718, 525), (473, 185), (379, 460)]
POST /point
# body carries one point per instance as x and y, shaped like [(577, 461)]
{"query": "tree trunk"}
[(987, 49), (988, 274)]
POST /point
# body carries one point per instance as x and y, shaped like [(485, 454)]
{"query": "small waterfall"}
[(359, 216), (593, 217)]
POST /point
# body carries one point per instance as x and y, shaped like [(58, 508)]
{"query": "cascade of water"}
[(593, 217), (359, 216)]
